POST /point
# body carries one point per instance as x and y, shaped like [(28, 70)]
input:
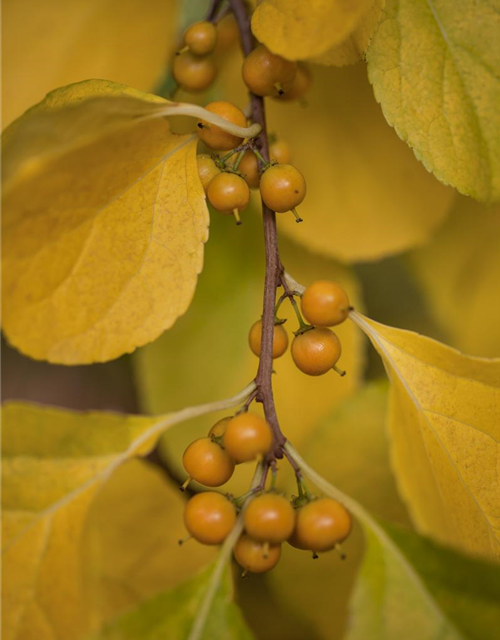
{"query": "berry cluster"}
[(306, 522), (242, 438), (194, 67), (227, 180), (231, 166), (315, 348)]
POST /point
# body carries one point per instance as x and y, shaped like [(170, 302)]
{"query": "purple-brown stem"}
[(273, 263)]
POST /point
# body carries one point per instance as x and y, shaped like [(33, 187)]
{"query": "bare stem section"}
[(273, 263)]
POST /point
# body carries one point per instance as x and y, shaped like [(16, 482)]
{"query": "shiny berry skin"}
[(201, 38), (207, 169), (228, 191), (325, 304), (280, 339), (208, 463), (301, 84), (219, 428), (282, 187), (249, 167), (267, 74), (280, 151), (254, 556), (193, 73), (247, 436), (321, 524), (316, 351), (269, 518), (212, 135), (209, 517)]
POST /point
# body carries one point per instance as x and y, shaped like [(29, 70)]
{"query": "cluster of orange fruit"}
[(315, 348), (227, 182), (306, 522)]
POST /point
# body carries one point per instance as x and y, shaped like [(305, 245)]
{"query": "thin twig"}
[(273, 263)]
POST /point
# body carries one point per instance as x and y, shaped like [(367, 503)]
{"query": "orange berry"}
[(219, 428), (316, 351), (207, 169), (266, 73), (301, 84), (269, 518), (208, 463), (279, 150), (280, 339), (227, 33), (325, 303), (212, 135), (249, 167), (247, 436), (228, 191), (209, 517), (254, 556), (201, 38), (193, 73), (282, 187), (321, 524)]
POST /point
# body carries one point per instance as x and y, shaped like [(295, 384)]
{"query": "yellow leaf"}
[(445, 430), (217, 326), (434, 67), (367, 196), (459, 273), (104, 220), (50, 44), (55, 463), (299, 30), (354, 46)]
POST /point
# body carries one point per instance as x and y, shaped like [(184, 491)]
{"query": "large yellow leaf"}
[(367, 196), (445, 430), (434, 66), (104, 220), (459, 274), (299, 30), (50, 44), (227, 302), (55, 463)]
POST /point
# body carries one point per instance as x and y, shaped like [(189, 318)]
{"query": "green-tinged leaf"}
[(451, 596), (54, 464), (170, 615), (410, 588), (349, 448), (445, 432), (227, 302), (458, 272), (435, 69), (104, 220)]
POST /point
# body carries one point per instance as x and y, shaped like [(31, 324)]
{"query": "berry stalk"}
[(273, 263)]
